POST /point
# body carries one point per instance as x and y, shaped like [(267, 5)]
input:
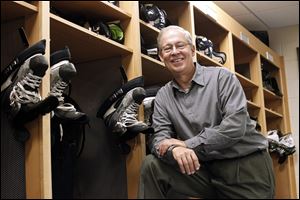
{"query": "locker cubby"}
[(245, 60), (206, 26), (271, 70), (97, 59)]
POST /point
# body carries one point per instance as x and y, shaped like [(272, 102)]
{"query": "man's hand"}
[(187, 160), (166, 143)]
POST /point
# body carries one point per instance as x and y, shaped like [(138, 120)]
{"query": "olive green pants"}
[(250, 176)]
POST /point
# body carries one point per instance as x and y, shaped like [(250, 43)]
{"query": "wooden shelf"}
[(252, 106), (212, 30), (245, 82), (270, 96), (154, 71), (206, 61), (272, 114), (148, 32), (79, 40), (245, 60), (268, 64), (242, 48), (101, 10), (11, 10)]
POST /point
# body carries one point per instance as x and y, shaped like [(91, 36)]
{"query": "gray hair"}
[(187, 35)]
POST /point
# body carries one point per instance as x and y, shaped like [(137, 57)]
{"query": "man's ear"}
[(160, 56), (193, 48)]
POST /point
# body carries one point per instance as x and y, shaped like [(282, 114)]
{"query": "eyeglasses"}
[(178, 46)]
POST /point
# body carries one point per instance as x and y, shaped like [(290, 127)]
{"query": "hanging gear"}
[(20, 82), (100, 28), (116, 3), (155, 16), (9, 72), (120, 110), (206, 46), (282, 145), (117, 34), (148, 103), (61, 73), (150, 50), (258, 126), (270, 82), (122, 115), (67, 144)]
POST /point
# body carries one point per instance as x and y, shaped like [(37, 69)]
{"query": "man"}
[(205, 144)]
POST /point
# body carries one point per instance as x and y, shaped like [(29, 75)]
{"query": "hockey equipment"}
[(258, 126), (150, 50), (155, 16), (67, 144), (23, 94), (148, 109), (117, 34), (116, 3), (10, 71), (123, 117), (206, 46), (120, 110), (20, 96), (62, 71), (100, 28), (270, 82), (286, 147), (23, 37), (273, 139), (118, 94), (148, 103), (283, 146)]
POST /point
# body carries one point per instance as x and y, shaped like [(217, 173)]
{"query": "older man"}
[(205, 144)]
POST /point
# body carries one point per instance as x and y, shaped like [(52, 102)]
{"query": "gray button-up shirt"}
[(211, 117)]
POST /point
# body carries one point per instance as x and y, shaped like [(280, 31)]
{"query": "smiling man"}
[(205, 144)]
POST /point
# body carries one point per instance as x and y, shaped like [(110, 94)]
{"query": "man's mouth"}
[(177, 60)]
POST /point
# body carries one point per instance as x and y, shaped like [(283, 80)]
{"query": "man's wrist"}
[(171, 147)]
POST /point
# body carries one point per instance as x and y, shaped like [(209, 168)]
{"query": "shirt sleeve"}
[(163, 128), (233, 106)]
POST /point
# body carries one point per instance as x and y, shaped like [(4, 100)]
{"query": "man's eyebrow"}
[(174, 43)]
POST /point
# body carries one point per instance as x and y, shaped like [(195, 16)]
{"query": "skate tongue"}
[(39, 65), (139, 95), (67, 72), (13, 67), (60, 55)]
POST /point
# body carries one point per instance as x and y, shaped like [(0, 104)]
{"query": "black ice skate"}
[(22, 100), (122, 118), (206, 46), (9, 73), (62, 71)]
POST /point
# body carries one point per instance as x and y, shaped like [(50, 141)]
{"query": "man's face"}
[(175, 52)]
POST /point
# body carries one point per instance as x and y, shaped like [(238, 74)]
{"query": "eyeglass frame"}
[(178, 46)]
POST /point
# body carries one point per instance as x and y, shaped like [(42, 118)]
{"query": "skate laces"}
[(273, 135), (129, 117), (21, 95), (58, 89), (287, 140)]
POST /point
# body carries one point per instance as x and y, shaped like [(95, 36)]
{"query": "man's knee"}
[(149, 163)]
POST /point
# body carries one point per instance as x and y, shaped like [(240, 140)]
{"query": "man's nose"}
[(174, 50)]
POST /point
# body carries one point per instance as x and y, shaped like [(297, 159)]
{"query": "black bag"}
[(270, 82), (67, 144)]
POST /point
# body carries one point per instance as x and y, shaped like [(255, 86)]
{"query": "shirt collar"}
[(198, 77)]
